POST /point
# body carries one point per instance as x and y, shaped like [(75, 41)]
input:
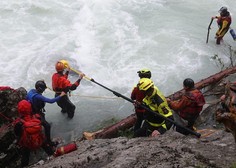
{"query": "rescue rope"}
[(2, 128), (208, 132), (94, 97), (7, 118)]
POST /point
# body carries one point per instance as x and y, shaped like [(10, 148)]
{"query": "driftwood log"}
[(227, 114), (112, 131)]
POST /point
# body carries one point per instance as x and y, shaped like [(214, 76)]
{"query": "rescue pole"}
[(149, 110), (66, 64), (209, 28)]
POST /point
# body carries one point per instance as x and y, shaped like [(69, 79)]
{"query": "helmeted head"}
[(24, 108), (189, 83), (223, 11), (145, 83), (144, 73), (40, 86), (59, 66)]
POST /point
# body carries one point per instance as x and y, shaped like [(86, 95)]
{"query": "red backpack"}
[(32, 136)]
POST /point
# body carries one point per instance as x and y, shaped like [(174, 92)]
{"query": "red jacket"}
[(138, 96), (61, 83), (190, 105)]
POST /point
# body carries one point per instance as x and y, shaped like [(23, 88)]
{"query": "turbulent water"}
[(109, 40)]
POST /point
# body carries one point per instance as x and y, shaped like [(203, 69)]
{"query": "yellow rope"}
[(96, 97)]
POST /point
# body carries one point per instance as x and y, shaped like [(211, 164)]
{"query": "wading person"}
[(60, 83), (224, 22)]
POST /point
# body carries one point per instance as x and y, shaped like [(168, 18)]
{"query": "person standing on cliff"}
[(153, 125), (188, 106), (138, 96), (38, 102)]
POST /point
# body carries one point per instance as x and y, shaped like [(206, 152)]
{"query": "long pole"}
[(144, 107), (209, 28)]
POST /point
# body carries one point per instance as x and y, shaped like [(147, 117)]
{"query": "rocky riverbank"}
[(216, 150)]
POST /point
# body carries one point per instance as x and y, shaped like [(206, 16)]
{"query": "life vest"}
[(224, 25), (32, 136), (60, 82), (157, 103), (37, 106), (197, 101)]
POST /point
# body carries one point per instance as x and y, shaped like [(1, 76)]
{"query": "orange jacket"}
[(190, 104), (61, 83)]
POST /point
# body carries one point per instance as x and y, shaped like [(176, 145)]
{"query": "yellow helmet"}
[(144, 73), (66, 63), (145, 84)]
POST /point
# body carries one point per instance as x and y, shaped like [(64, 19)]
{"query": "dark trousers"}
[(47, 127), (66, 106), (146, 130), (140, 118), (186, 122), (25, 154)]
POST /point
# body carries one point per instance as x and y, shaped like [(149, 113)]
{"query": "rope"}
[(95, 97), (208, 132), (9, 119)]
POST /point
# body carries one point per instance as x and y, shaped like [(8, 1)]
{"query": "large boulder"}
[(9, 98)]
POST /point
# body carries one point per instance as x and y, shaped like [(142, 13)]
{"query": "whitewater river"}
[(109, 40)]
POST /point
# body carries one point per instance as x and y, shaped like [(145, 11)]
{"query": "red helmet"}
[(24, 108), (59, 66)]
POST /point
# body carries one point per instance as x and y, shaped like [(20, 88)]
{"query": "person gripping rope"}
[(224, 22), (138, 96), (154, 100), (60, 83), (38, 102)]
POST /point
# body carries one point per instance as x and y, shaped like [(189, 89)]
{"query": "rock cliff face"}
[(9, 156), (215, 150)]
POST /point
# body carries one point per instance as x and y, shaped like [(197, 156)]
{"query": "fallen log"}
[(112, 131)]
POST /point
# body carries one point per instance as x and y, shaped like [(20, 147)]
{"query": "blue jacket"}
[(38, 101)]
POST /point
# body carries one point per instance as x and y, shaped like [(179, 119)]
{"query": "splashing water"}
[(109, 41)]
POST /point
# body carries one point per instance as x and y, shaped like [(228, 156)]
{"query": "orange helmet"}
[(59, 66), (24, 108)]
